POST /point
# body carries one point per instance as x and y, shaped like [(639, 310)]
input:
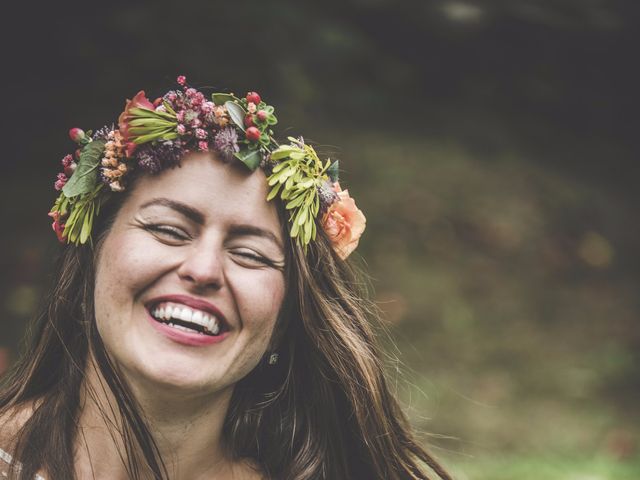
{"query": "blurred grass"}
[(545, 468)]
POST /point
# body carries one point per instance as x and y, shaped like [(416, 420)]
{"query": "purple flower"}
[(226, 142), (155, 158)]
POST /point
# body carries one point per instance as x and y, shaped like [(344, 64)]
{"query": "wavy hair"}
[(323, 412)]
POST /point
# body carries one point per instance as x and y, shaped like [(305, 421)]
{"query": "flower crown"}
[(154, 136)]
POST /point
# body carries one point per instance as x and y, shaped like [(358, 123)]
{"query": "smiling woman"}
[(204, 323)]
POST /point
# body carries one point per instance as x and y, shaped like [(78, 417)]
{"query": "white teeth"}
[(180, 312), (185, 314), (214, 328)]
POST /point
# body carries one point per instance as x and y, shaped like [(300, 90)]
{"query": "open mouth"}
[(187, 319)]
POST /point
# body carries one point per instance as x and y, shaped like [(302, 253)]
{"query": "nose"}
[(202, 267)]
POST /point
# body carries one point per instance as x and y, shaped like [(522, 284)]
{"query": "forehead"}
[(223, 192)]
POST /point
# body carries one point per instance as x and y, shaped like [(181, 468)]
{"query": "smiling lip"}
[(186, 338), (195, 303)]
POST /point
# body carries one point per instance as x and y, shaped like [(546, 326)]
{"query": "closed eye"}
[(167, 231), (251, 258)]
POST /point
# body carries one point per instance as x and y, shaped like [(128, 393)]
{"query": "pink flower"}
[(77, 135), (207, 107), (139, 101), (67, 161), (60, 182), (182, 80), (344, 223), (58, 226), (201, 134), (203, 146), (181, 129)]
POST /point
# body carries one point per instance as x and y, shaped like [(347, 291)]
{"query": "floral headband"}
[(154, 136)]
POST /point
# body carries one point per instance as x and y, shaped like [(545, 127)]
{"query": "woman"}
[(203, 323)]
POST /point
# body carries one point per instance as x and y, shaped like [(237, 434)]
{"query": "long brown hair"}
[(323, 412)]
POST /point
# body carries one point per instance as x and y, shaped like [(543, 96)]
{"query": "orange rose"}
[(344, 223)]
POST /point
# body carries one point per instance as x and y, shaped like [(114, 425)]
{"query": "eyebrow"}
[(197, 217)]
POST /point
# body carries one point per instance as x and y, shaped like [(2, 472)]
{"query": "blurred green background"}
[(491, 145)]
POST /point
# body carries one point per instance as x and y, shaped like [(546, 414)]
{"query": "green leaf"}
[(85, 176), (236, 113), (334, 171), (282, 152), (152, 122), (169, 108), (151, 136), (251, 158), (296, 202), (273, 192), (86, 224), (222, 98)]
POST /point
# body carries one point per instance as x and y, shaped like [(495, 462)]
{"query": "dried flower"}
[(60, 182), (226, 142), (58, 226), (154, 158), (116, 186)]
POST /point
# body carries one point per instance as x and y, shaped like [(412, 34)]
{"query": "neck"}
[(187, 431)]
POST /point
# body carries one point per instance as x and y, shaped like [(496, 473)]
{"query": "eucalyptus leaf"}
[(251, 158), (236, 113), (334, 171), (85, 177), (222, 98)]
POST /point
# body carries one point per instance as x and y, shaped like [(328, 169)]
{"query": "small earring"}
[(273, 359)]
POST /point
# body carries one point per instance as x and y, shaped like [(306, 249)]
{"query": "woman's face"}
[(189, 280)]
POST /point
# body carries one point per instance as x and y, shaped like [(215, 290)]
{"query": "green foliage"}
[(84, 178), (251, 158), (236, 113), (223, 98), (81, 211), (148, 125), (296, 179)]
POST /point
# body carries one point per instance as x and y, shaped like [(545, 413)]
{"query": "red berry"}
[(76, 134), (248, 121), (253, 97), (262, 115), (253, 134)]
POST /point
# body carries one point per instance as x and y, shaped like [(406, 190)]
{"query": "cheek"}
[(259, 306), (124, 269)]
